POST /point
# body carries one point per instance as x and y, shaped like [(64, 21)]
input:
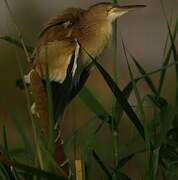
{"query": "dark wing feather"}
[(64, 93), (61, 92)]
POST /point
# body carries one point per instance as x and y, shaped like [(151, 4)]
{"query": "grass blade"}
[(141, 109), (30, 170), (118, 110), (90, 100), (124, 160), (172, 48), (121, 99), (167, 58), (6, 171), (137, 95), (143, 72), (6, 152), (101, 164), (16, 43), (22, 132)]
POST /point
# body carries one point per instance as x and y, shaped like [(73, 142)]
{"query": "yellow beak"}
[(117, 10), (127, 8)]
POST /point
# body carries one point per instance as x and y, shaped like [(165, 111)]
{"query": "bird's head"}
[(110, 11)]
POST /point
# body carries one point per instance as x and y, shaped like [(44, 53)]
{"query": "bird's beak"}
[(120, 10)]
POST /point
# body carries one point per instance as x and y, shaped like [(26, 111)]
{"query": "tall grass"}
[(158, 133)]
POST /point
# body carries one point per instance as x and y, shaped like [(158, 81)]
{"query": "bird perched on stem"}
[(65, 44)]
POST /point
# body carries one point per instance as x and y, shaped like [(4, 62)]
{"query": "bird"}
[(67, 43)]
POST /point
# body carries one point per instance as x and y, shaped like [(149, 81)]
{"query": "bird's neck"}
[(93, 34)]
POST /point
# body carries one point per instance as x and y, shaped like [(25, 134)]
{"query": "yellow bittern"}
[(63, 44)]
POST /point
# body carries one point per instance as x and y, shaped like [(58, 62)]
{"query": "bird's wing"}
[(65, 92), (57, 56), (61, 59)]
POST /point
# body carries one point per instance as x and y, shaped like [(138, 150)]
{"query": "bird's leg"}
[(60, 156)]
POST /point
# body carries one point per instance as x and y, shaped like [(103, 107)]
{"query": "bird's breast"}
[(94, 37)]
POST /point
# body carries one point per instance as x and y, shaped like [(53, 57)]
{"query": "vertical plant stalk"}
[(143, 116), (6, 153), (167, 58), (20, 68), (115, 53), (18, 31), (37, 159), (51, 123), (79, 168), (115, 144), (173, 47), (41, 100), (116, 78)]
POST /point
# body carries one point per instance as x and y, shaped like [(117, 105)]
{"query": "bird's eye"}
[(109, 9)]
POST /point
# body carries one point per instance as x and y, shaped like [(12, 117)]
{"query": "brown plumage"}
[(63, 43)]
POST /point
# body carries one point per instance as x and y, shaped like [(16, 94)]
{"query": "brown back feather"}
[(58, 27)]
